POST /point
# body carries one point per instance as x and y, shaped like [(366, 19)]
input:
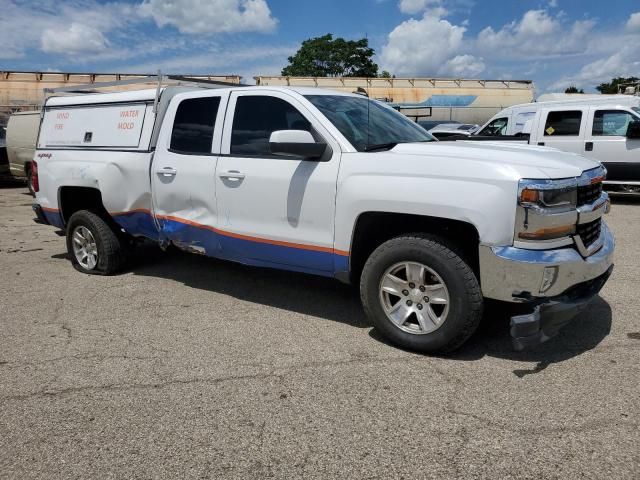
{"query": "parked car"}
[(455, 130), (331, 184), (22, 133), (606, 129), (429, 124)]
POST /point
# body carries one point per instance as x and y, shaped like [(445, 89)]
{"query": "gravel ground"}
[(191, 367)]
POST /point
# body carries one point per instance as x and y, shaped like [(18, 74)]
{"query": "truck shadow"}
[(9, 181), (329, 299), (625, 199), (584, 333), (307, 294)]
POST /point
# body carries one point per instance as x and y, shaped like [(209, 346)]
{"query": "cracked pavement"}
[(189, 367)]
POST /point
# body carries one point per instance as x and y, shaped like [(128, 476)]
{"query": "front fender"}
[(487, 205)]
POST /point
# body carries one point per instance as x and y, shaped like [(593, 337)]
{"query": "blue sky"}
[(553, 42)]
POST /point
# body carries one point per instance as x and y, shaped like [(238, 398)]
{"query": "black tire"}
[(465, 303), (30, 181), (112, 248)]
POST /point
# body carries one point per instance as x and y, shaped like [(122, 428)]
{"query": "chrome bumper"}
[(515, 274)]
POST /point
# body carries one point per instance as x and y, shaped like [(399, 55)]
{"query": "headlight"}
[(555, 195), (546, 209)]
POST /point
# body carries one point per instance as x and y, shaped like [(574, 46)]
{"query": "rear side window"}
[(609, 123), (563, 124), (496, 127), (193, 125), (521, 119), (256, 118)]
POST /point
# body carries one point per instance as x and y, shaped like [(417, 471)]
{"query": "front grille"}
[(589, 232), (589, 193)]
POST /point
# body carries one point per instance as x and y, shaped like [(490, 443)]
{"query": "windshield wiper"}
[(380, 146)]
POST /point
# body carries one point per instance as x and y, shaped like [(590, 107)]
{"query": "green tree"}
[(573, 89), (385, 74), (328, 57), (616, 83)]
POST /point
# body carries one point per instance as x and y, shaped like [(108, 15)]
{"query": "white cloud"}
[(464, 66), (415, 6), (430, 47), (625, 62), (434, 46), (211, 16), (217, 60), (110, 30), (633, 24), (67, 28), (574, 52), (537, 34), (76, 39)]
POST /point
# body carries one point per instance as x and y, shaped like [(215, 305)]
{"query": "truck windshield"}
[(367, 124)]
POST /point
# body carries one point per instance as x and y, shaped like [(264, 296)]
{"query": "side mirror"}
[(633, 130), (296, 143)]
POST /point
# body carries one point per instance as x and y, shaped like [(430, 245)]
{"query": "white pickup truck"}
[(330, 184), (603, 127)]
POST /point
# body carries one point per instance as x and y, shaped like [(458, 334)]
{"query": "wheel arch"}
[(373, 228), (72, 199)]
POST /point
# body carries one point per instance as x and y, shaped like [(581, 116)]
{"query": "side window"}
[(193, 125), (256, 118), (521, 120), (565, 123), (496, 127), (611, 123)]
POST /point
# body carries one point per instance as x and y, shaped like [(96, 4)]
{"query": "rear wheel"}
[(93, 245), (420, 295)]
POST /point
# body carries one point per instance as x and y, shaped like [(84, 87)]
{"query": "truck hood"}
[(552, 163)]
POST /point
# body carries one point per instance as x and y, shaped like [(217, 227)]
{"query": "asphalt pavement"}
[(189, 367)]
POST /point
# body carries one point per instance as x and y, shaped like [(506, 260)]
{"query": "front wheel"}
[(93, 246), (420, 295)]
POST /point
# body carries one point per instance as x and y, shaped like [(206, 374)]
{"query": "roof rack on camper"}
[(160, 80)]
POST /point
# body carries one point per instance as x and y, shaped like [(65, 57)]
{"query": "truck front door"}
[(607, 142), (275, 210), (183, 171)]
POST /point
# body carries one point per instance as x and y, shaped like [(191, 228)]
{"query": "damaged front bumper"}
[(556, 284), (550, 315)]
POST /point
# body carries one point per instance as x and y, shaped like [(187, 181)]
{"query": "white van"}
[(606, 129)]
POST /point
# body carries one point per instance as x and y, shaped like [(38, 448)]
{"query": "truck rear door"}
[(563, 128), (183, 169)]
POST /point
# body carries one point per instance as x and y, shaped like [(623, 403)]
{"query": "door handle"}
[(167, 171), (232, 174), (541, 144), (588, 146)]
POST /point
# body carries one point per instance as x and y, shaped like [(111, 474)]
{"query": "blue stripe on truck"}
[(218, 243)]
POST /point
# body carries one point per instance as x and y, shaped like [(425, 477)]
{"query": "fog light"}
[(549, 277)]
